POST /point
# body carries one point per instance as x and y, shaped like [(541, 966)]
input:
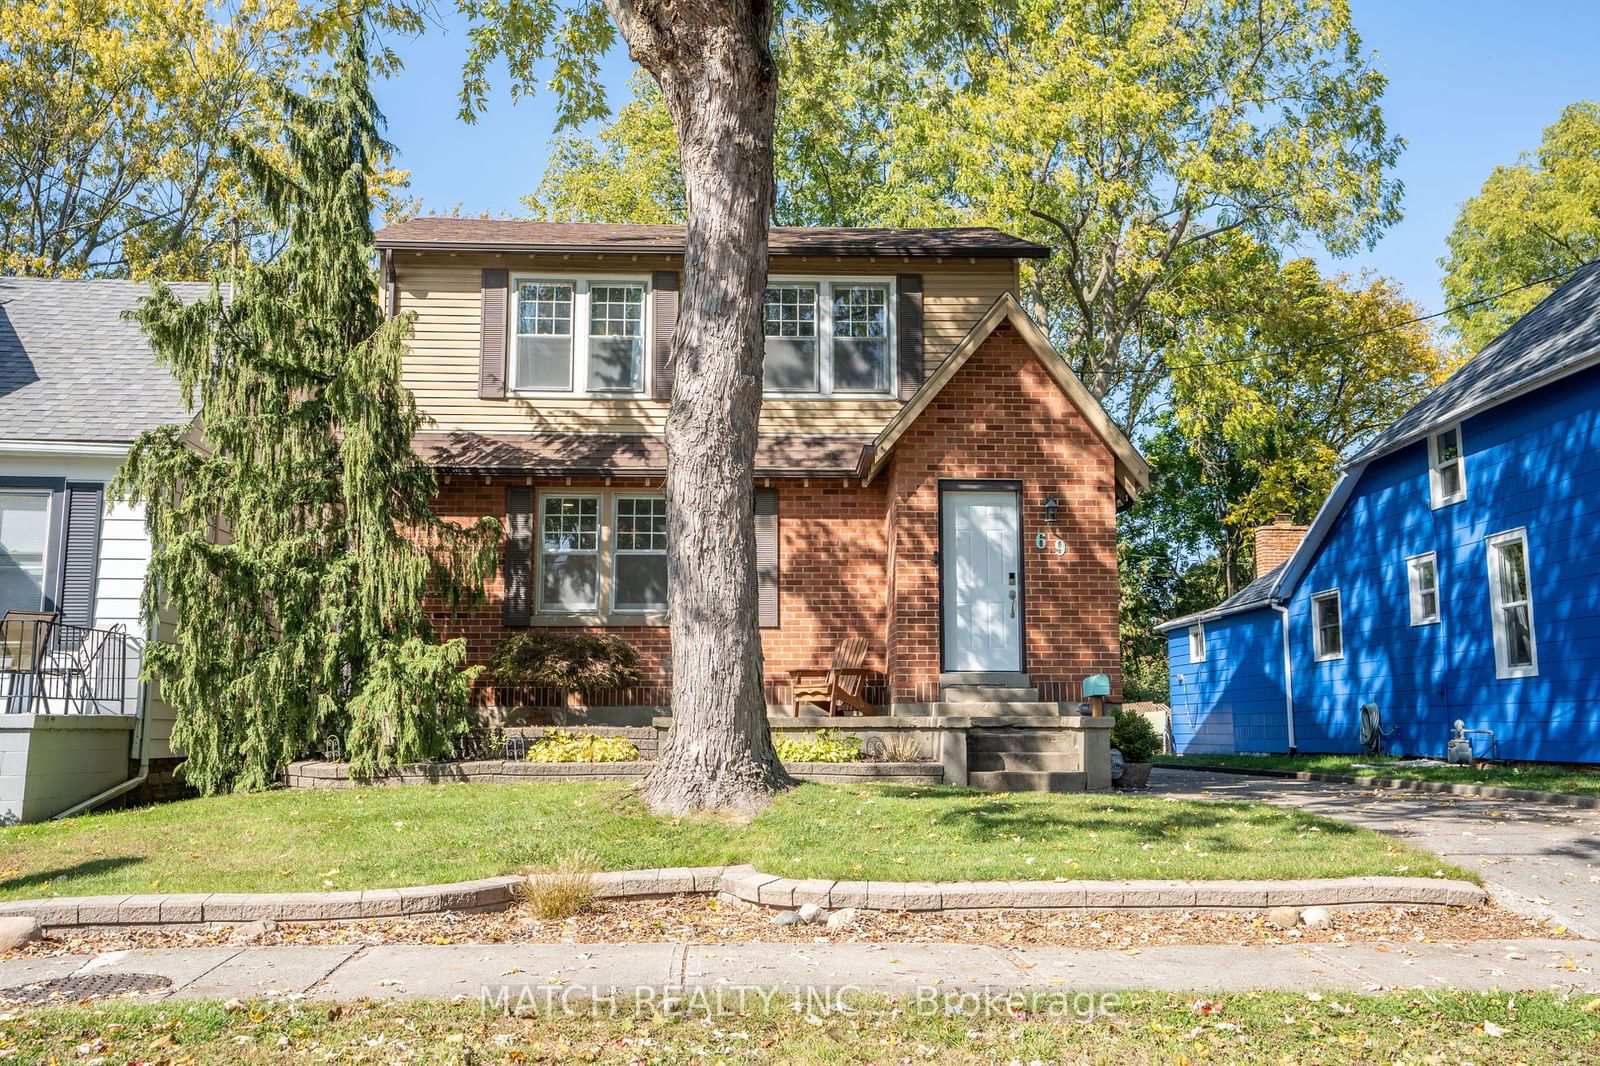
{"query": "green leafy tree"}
[(294, 539), (1535, 219)]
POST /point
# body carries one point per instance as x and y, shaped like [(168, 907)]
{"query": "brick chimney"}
[(1276, 541)]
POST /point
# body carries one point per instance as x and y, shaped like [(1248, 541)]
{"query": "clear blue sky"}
[(1471, 84)]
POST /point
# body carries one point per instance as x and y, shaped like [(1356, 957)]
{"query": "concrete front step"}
[(1027, 781), (979, 710), (1054, 761), (1002, 679), (988, 741), (987, 694)]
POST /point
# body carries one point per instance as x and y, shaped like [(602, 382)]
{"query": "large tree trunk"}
[(714, 64)]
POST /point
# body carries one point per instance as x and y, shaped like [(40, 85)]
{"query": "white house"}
[(77, 384)]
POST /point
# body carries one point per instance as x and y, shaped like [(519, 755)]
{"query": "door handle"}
[(1013, 595)]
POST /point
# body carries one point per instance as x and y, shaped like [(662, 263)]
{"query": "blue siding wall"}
[(1534, 463), (1232, 701)]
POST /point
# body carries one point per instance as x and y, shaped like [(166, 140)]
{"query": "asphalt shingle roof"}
[(1256, 594), (1560, 335), (73, 369), (493, 234)]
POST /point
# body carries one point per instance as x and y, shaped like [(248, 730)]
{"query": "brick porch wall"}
[(1003, 417)]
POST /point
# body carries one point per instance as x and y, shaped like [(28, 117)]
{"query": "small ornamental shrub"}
[(1134, 736), (577, 662), (564, 890), (826, 746), (558, 745)]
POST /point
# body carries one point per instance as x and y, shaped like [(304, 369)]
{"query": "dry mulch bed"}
[(697, 919)]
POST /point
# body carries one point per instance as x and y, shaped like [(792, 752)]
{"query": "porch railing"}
[(49, 667)]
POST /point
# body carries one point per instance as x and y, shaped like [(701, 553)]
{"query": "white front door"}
[(982, 581)]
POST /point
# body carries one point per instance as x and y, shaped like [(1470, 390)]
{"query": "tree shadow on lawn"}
[(1216, 825), (89, 868)]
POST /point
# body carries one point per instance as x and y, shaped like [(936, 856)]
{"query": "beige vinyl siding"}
[(442, 369)]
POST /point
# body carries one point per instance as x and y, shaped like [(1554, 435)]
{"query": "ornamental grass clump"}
[(558, 745), (826, 746), (572, 662), (566, 888)]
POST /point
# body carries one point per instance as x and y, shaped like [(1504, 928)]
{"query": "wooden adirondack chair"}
[(839, 688)]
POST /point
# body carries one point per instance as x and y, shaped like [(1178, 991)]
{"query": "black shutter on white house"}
[(909, 327), (492, 336), (663, 327), (766, 511), (519, 556), (80, 557)]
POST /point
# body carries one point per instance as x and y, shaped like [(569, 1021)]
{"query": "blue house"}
[(1452, 573)]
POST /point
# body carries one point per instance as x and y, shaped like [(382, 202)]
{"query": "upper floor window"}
[(1329, 625), (1447, 473), (827, 337), (1422, 577), (579, 336), (1511, 599), (1197, 643)]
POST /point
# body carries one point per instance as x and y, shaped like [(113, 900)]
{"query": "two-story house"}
[(930, 473), (1453, 573)]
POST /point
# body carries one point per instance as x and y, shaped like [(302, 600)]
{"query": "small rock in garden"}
[(810, 913), (1284, 917), (842, 919), (1317, 918), (251, 930), (15, 932), (786, 918)]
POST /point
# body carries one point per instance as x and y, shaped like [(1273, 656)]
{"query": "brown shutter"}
[(662, 328), (767, 557), (909, 329), (492, 337), (519, 555), (81, 555)]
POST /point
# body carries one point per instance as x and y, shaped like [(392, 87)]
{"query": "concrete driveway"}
[(1536, 859)]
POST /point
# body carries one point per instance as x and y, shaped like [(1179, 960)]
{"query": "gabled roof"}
[(1558, 337), (1257, 594), (73, 369), (1133, 475), (515, 235)]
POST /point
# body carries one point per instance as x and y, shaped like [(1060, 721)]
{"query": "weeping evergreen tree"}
[(295, 545)]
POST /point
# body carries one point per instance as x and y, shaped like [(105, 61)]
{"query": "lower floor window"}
[(24, 532), (602, 550), (640, 579), (1511, 600)]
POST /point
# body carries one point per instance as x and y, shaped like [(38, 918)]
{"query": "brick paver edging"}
[(749, 884), (1450, 788)]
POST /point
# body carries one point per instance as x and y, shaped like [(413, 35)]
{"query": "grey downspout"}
[(1288, 673)]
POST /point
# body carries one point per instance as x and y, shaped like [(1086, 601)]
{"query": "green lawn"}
[(307, 840), (1542, 777), (1433, 1026)]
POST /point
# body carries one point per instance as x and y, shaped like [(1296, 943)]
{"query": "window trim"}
[(55, 529), (1316, 624), (1435, 498), (1197, 630), (603, 613), (599, 552), (1414, 589), (616, 501), (1494, 541), (825, 284), (582, 284)]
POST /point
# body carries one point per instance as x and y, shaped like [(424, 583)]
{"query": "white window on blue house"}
[(1197, 643), (1511, 599), (1447, 471), (1328, 631), (1422, 574)]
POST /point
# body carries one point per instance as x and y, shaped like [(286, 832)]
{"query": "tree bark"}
[(713, 61)]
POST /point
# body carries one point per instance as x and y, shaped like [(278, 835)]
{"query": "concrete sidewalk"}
[(546, 973)]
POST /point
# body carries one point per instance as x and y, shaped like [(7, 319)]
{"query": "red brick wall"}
[(1003, 417), (831, 574), (847, 551)]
